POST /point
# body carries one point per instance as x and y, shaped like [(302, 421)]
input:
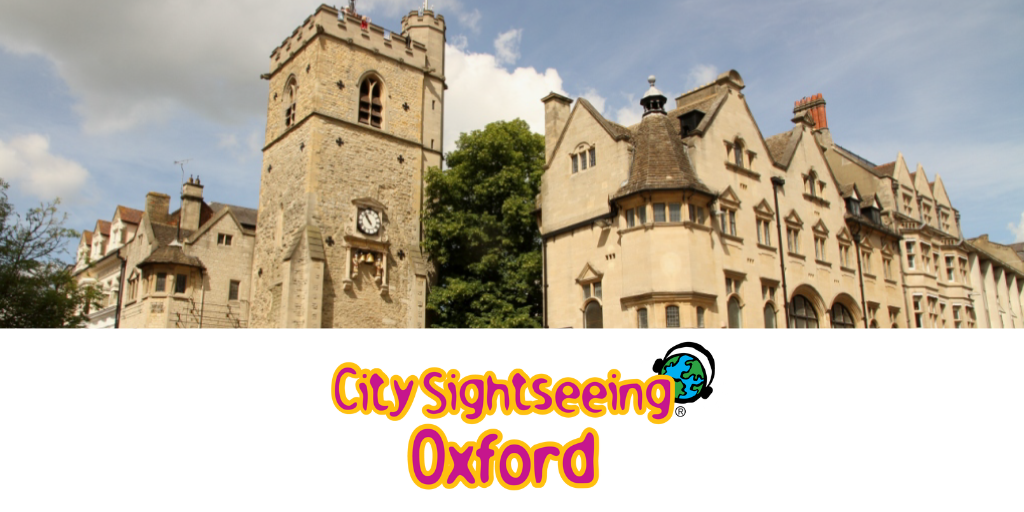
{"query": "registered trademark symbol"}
[(680, 411)]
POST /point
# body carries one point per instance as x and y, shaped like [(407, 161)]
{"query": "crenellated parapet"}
[(420, 45)]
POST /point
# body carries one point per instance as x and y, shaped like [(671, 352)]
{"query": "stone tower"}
[(354, 119)]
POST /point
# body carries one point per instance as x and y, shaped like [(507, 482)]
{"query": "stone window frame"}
[(583, 157), (910, 249), (377, 91), (224, 239), (794, 225), (764, 218), (669, 310), (814, 187), (291, 92)]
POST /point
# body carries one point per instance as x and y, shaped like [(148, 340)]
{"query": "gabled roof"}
[(87, 236), (783, 146), (660, 159), (245, 216), (616, 131), (129, 215), (885, 170), (103, 227)]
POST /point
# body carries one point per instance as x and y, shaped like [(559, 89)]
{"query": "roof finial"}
[(653, 101)]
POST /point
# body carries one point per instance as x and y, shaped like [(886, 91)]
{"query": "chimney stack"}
[(191, 204), (556, 114), (158, 207), (815, 106)]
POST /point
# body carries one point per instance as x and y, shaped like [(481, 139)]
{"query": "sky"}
[(99, 99)]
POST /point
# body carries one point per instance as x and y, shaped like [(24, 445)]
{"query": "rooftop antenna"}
[(181, 202)]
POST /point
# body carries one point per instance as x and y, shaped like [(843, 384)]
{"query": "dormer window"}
[(853, 206), (371, 108)]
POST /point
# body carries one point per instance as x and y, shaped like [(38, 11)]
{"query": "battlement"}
[(349, 28), (425, 18)]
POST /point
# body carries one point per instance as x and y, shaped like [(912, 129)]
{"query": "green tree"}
[(480, 232), (36, 287)]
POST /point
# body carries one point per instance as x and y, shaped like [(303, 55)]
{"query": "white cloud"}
[(481, 91), (595, 99), (629, 114), (1017, 230), (471, 20), (27, 163), (459, 42), (701, 74), (506, 46)]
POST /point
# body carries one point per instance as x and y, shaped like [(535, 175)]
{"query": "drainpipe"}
[(860, 274), (202, 301), (544, 277), (776, 183), (120, 290)]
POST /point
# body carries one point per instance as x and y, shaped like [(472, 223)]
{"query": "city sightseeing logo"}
[(692, 368), (683, 376)]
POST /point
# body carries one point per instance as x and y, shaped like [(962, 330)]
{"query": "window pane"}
[(732, 222), (674, 212), (769, 316), (597, 289), (161, 282), (593, 157), (642, 213), (672, 316), (630, 218), (659, 212), (233, 290), (641, 318), (593, 317), (180, 282), (735, 322), (575, 164), (700, 318), (583, 161)]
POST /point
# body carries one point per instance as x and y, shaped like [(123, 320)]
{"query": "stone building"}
[(97, 263), (186, 269), (354, 119), (692, 218)]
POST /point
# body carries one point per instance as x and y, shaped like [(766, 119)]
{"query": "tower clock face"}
[(369, 222)]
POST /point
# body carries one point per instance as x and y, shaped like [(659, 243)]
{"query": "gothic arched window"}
[(291, 93), (371, 107)]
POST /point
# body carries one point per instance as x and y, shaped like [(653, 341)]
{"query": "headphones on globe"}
[(706, 390)]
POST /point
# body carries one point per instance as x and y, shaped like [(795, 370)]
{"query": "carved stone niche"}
[(367, 251)]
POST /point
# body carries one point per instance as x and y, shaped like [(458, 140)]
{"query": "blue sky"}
[(98, 99)]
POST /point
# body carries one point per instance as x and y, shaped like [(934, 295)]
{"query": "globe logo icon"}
[(688, 372), (692, 368)]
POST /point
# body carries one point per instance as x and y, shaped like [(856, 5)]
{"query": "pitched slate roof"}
[(616, 131), (129, 215), (660, 159), (166, 234), (173, 255), (782, 147), (885, 170), (87, 235), (246, 216), (103, 227), (706, 99)]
